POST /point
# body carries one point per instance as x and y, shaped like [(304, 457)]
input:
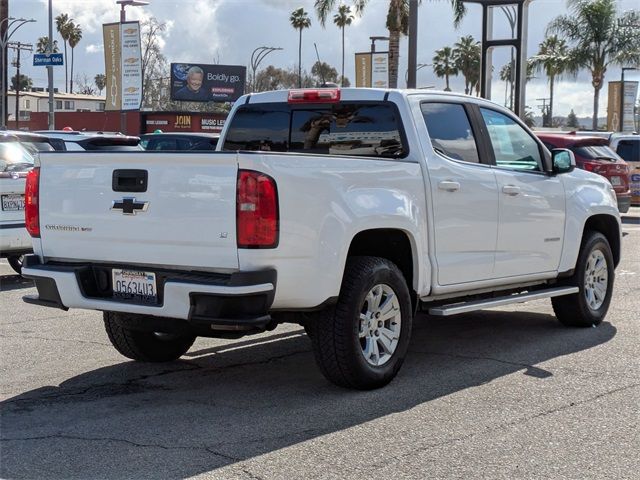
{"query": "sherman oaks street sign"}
[(47, 59)]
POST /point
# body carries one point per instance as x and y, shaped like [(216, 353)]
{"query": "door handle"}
[(449, 186), (511, 190)]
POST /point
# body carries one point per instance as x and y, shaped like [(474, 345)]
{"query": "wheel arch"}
[(608, 226)]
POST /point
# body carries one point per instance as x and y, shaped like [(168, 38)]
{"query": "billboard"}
[(372, 69), (613, 110), (197, 82), (123, 65)]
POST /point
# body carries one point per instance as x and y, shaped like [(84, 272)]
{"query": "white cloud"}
[(92, 48)]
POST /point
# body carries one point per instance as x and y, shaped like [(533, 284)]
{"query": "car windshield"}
[(596, 152), (14, 158)]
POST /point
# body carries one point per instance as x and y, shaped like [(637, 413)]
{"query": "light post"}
[(373, 42), (622, 96), (256, 57), (418, 68), (13, 24), (123, 18)]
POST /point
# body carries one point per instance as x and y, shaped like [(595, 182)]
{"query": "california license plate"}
[(12, 202), (134, 285), (616, 181)]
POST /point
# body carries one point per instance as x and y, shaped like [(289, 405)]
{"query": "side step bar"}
[(464, 307)]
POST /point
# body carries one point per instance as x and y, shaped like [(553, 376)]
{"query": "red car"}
[(595, 155)]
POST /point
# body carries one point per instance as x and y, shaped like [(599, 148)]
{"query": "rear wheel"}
[(362, 341), (594, 277), (142, 345), (16, 263)]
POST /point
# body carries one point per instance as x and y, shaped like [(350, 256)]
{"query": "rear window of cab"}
[(346, 128)]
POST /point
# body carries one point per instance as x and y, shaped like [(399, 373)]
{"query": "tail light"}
[(595, 167), (256, 210), (320, 95), (31, 202)]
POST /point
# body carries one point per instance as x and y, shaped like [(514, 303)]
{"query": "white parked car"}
[(15, 163), (343, 210)]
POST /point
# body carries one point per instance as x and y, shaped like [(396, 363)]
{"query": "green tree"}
[(467, 54), (100, 81), (397, 23), (64, 26), (572, 120), (553, 59), (342, 19), (323, 72), (444, 65), (24, 85), (43, 44), (300, 20), (506, 75), (599, 37), (75, 35)]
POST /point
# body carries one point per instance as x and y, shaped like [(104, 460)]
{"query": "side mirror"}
[(563, 160)]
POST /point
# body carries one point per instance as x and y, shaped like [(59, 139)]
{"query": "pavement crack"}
[(502, 426)]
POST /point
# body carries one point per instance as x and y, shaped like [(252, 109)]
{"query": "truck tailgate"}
[(185, 218)]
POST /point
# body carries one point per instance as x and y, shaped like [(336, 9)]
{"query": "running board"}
[(464, 307)]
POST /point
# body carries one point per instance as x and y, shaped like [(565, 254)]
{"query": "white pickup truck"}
[(343, 210)]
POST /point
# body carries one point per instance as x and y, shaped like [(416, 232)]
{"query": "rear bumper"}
[(14, 239), (215, 300)]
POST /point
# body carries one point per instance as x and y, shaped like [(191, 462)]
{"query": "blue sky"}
[(227, 31)]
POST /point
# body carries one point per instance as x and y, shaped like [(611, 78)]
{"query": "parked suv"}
[(595, 155), (628, 147), (179, 141), (80, 141)]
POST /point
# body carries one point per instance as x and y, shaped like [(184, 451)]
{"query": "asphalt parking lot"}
[(503, 393)]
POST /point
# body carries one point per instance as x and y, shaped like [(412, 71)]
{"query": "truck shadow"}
[(14, 282), (226, 404)]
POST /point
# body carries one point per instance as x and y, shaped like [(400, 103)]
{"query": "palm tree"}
[(43, 44), (75, 35), (63, 26), (467, 54), (507, 75), (101, 81), (342, 19), (300, 20), (599, 38), (444, 65), (397, 23), (553, 59)]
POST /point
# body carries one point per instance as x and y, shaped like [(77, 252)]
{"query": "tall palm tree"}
[(342, 19), (444, 65), (63, 26), (300, 20), (553, 59), (75, 35), (467, 55), (43, 44), (100, 81), (599, 38), (397, 23)]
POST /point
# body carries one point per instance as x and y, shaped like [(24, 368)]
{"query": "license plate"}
[(134, 285), (12, 203), (616, 181)]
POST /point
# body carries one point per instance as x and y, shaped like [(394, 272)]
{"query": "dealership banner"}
[(613, 108), (197, 82), (372, 69), (123, 65)]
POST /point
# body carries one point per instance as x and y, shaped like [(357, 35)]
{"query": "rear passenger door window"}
[(512, 145), (450, 131)]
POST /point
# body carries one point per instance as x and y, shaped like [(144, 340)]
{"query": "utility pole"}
[(18, 47), (52, 121), (546, 121)]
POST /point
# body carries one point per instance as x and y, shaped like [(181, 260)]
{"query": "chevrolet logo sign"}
[(129, 206)]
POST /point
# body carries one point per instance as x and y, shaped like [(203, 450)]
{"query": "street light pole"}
[(16, 23), (622, 96), (256, 57)]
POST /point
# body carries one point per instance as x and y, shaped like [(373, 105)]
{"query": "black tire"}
[(336, 334), (145, 346), (575, 310), (16, 263)]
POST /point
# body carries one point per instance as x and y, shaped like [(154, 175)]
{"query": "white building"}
[(64, 102)]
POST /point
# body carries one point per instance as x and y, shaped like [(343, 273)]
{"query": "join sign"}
[(47, 59)]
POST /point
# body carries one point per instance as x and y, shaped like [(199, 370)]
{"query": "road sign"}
[(47, 59)]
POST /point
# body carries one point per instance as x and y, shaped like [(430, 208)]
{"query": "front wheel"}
[(594, 277), (362, 341), (142, 345)]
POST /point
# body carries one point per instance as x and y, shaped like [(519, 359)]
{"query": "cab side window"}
[(450, 131), (512, 145)]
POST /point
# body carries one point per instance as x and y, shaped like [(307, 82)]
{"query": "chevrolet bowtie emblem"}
[(129, 206)]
